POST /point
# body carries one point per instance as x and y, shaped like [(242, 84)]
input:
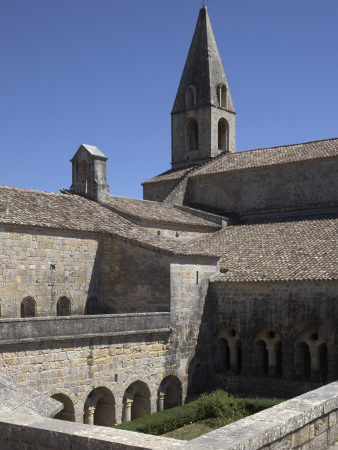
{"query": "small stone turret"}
[(203, 118), (89, 173)]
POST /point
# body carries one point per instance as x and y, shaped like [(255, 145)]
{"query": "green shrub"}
[(165, 421), (219, 404), (254, 405)]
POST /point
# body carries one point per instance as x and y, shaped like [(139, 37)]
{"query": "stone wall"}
[(159, 191), (134, 279), (306, 422), (288, 324), (114, 357), (305, 184), (47, 265), (189, 296), (77, 365)]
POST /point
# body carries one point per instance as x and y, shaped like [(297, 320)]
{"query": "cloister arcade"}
[(311, 356), (266, 355), (99, 407), (228, 352)]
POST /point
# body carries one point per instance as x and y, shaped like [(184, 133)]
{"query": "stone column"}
[(91, 412), (127, 410), (161, 401)]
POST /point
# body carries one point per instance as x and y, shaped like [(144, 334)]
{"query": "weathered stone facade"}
[(120, 307)]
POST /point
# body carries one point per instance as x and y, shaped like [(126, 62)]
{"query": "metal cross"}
[(203, 2)]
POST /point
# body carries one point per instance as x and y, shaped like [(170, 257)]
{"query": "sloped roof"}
[(91, 149), (296, 248), (155, 212), (20, 398), (72, 212), (203, 68), (169, 175), (262, 157)]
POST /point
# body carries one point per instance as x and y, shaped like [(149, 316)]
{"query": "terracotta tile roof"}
[(169, 175), (30, 208), (286, 249), (155, 212), (269, 156)]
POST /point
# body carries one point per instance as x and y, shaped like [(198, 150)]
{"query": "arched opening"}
[(222, 355), (99, 408), (191, 134), (197, 376), (223, 135), (222, 96), (323, 363), (63, 307), (303, 360), (84, 176), (67, 413), (261, 359), (190, 97), (279, 359), (136, 401), (92, 306), (28, 307), (239, 356), (170, 393)]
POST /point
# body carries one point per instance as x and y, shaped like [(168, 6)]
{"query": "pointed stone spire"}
[(203, 118), (203, 68)]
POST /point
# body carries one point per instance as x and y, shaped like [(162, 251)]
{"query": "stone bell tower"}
[(89, 173), (203, 118)]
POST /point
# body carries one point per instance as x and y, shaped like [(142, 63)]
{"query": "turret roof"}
[(203, 68)]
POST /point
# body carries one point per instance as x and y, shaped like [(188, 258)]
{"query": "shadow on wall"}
[(264, 363)]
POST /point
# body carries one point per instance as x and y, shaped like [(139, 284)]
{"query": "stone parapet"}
[(309, 421), (81, 327)]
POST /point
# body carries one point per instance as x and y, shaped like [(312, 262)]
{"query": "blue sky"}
[(105, 73)]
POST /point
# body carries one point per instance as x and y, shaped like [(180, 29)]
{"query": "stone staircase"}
[(176, 196)]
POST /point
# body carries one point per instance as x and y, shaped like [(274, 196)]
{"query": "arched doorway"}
[(197, 376), (63, 307), (99, 408), (28, 307), (170, 393), (67, 413), (222, 355), (303, 360), (261, 359), (136, 401)]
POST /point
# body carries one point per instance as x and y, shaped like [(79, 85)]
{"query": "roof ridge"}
[(29, 190), (283, 146)]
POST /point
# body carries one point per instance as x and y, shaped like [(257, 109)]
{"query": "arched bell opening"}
[(191, 134)]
